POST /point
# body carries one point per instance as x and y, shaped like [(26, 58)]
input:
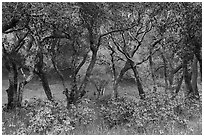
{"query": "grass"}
[(35, 89)]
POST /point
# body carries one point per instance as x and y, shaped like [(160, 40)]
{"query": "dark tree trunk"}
[(45, 84), (187, 78), (165, 71), (198, 53), (194, 77), (139, 84), (42, 74), (10, 24), (12, 91)]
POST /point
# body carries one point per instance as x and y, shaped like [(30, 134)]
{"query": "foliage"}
[(46, 117), (154, 114), (99, 43)]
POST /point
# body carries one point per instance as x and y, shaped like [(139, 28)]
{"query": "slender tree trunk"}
[(165, 71), (152, 71), (194, 76), (114, 78)]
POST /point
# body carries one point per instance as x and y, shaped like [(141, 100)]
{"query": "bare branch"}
[(147, 57), (118, 30), (20, 43), (13, 30), (9, 25)]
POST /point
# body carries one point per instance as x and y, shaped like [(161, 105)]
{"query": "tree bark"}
[(59, 73), (114, 77), (187, 78), (12, 91), (139, 84), (89, 70), (179, 85), (23, 84), (45, 84), (42, 74), (116, 84), (165, 70), (194, 76), (152, 70), (9, 25)]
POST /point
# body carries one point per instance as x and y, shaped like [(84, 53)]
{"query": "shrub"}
[(49, 118), (154, 115)]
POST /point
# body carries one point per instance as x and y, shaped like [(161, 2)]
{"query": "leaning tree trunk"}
[(45, 84), (139, 84), (42, 75), (116, 84)]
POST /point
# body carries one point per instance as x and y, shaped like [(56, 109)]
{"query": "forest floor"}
[(128, 89), (35, 89)]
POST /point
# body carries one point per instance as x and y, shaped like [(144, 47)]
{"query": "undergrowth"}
[(157, 114)]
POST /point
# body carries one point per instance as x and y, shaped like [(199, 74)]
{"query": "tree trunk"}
[(116, 84), (165, 71), (58, 72), (12, 91), (139, 84), (45, 84), (89, 70), (180, 81), (198, 53), (187, 78), (152, 71), (194, 76), (39, 65)]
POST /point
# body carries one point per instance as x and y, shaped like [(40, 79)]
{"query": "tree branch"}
[(9, 25)]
